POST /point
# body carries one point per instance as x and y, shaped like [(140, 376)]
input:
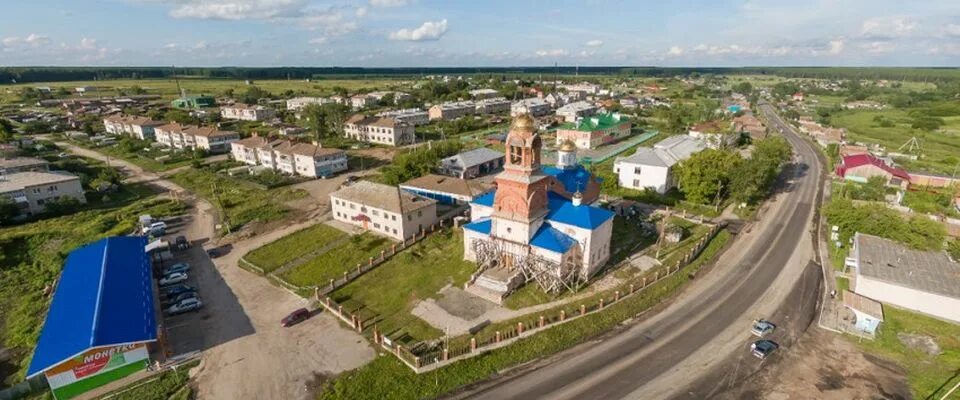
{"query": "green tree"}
[(704, 177), (8, 210), (61, 205), (743, 88)]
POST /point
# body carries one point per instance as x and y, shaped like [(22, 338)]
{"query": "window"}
[(409, 217), (419, 214), (636, 183), (636, 170), (376, 225), (393, 217), (376, 213), (353, 206), (394, 231)]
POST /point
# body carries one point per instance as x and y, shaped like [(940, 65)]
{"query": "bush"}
[(918, 232)]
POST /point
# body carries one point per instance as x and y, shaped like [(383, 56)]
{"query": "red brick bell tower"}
[(521, 197)]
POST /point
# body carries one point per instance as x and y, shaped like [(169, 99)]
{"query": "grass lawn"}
[(940, 150), (842, 284), (337, 260), (242, 203), (170, 385), (926, 374), (387, 378), (392, 290), (143, 156), (931, 202), (31, 257), (275, 254)]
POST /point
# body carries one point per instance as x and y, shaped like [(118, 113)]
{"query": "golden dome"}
[(522, 122), (567, 145)]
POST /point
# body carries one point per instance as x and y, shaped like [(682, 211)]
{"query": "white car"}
[(185, 305), (159, 226), (762, 327), (175, 277)]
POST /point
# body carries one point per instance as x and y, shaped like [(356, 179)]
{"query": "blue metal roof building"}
[(104, 298)]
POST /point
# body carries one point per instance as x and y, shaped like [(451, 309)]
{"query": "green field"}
[(941, 150), (334, 262), (390, 291), (279, 252), (32, 256)]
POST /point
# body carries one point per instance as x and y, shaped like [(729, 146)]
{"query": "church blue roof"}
[(104, 298), (485, 200), (582, 216), (548, 237), (573, 179), (481, 225)]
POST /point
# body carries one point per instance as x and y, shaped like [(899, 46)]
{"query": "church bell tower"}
[(520, 203)]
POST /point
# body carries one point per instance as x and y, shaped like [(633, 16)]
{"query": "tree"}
[(752, 179), (743, 88), (253, 94), (704, 176), (8, 210), (61, 205)]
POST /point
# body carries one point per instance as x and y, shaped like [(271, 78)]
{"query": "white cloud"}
[(237, 9), (318, 40), (952, 30), (675, 51), (552, 53), (389, 3), (594, 43), (10, 41), (361, 12), (878, 47), (87, 43), (887, 27), (35, 39), (836, 46), (428, 31)]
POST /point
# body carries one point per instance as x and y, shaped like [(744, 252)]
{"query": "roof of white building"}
[(384, 197), (20, 180), (447, 184), (863, 304), (21, 162), (474, 157), (576, 106), (666, 153), (894, 263)]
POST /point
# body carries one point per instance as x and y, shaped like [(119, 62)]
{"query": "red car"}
[(295, 317)]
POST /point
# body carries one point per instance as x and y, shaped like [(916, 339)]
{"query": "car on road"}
[(176, 290), (181, 242), (170, 279), (763, 348), (187, 305), (178, 267), (296, 317), (158, 226), (762, 327), (179, 298)]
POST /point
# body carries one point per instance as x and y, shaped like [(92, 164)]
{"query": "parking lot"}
[(246, 353)]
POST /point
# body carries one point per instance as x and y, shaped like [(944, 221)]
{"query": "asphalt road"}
[(643, 361)]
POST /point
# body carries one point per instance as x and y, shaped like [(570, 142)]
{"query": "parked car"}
[(763, 348), (214, 252), (178, 267), (175, 277), (190, 304), (176, 290), (295, 317), (155, 226), (762, 327), (180, 297), (181, 242)]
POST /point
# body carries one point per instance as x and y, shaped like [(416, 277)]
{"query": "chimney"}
[(577, 199)]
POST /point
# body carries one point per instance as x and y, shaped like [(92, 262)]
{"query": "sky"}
[(450, 33)]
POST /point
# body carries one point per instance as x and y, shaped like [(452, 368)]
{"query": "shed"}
[(869, 312)]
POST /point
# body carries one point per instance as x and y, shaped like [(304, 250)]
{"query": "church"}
[(539, 224)]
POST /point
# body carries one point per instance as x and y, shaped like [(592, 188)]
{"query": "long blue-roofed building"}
[(101, 319)]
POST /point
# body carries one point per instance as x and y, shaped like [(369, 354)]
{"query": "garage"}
[(101, 321)]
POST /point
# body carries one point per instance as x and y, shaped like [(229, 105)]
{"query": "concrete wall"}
[(658, 178), (924, 302)]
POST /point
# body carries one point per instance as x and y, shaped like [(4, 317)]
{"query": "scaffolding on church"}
[(552, 277)]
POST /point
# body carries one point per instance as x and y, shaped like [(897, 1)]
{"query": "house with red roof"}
[(862, 167)]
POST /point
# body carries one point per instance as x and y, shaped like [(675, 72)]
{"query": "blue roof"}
[(481, 225), (547, 237), (104, 298), (485, 200), (573, 179), (582, 216)]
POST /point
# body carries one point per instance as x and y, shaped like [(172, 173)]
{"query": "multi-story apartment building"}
[(534, 106), (383, 209), (484, 94), (492, 105), (298, 103), (302, 159), (193, 137), (452, 110), (578, 109), (244, 112), (23, 164), (412, 116), (138, 127), (32, 190), (378, 130)]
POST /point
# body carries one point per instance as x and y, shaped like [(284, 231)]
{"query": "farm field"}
[(275, 254)]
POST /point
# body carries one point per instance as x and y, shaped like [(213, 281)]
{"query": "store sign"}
[(95, 362)]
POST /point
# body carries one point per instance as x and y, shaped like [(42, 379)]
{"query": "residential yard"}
[(386, 295), (937, 202), (241, 202), (141, 153), (929, 375), (293, 246), (333, 262), (387, 378), (30, 261)]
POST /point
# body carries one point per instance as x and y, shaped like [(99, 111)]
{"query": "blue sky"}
[(416, 33)]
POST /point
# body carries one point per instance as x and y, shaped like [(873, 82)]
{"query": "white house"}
[(412, 116), (32, 190), (485, 93), (137, 127), (383, 209), (494, 105), (387, 131), (716, 134), (244, 112), (534, 106), (891, 273), (579, 109), (452, 110), (304, 159), (192, 137), (653, 167), (298, 103)]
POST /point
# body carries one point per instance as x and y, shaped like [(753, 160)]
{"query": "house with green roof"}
[(594, 131), (193, 102)]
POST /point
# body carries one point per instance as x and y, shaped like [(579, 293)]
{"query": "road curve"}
[(659, 350)]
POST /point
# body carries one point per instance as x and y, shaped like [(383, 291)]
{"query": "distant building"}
[(715, 134), (244, 112), (922, 281), (653, 167), (32, 190), (494, 105), (446, 189), (583, 87), (473, 163), (387, 131), (194, 102), (302, 159), (411, 116), (298, 103), (579, 109), (452, 110), (594, 131), (534, 106), (193, 137), (861, 167), (23, 164), (798, 96), (383, 209), (137, 127), (480, 94), (750, 125), (361, 100)]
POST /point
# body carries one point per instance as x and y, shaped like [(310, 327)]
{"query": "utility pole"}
[(223, 211)]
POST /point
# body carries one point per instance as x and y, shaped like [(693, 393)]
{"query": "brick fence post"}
[(370, 261), (376, 335), (519, 328), (353, 319), (340, 309), (358, 269), (616, 296), (563, 315), (331, 283), (542, 320), (656, 276), (416, 361), (601, 303), (473, 344), (382, 254), (583, 309), (345, 274), (359, 325), (394, 249), (631, 289), (328, 301), (446, 354), (316, 292), (396, 350), (497, 337), (644, 282)]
